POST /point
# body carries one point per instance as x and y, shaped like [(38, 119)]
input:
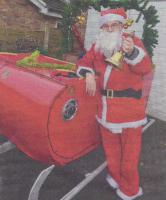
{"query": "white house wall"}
[(157, 100)]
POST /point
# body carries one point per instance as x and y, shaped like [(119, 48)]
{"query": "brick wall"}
[(21, 19), (23, 14), (157, 100)]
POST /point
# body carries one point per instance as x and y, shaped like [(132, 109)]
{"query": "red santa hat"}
[(109, 15)]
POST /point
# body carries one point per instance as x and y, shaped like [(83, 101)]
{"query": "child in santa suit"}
[(121, 106)]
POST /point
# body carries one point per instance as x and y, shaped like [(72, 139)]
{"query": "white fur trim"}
[(138, 59), (107, 75), (87, 68), (112, 182), (104, 100), (117, 127), (111, 17), (126, 197), (104, 108)]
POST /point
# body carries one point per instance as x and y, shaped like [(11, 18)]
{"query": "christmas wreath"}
[(75, 7)]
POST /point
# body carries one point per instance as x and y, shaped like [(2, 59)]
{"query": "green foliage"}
[(149, 37), (151, 16), (32, 61), (29, 59), (66, 25)]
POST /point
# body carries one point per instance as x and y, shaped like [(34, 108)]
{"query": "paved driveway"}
[(18, 173)]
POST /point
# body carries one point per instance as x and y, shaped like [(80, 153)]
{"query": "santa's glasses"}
[(111, 27)]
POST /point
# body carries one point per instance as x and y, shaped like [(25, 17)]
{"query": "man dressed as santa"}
[(121, 111)]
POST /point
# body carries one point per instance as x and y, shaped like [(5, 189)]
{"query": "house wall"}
[(21, 19), (157, 100)]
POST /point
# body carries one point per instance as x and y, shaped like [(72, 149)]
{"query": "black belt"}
[(122, 93)]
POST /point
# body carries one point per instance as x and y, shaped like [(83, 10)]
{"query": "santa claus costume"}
[(121, 112)]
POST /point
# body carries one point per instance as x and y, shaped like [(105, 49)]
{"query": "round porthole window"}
[(69, 109)]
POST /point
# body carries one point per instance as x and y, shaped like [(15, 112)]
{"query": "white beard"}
[(108, 42)]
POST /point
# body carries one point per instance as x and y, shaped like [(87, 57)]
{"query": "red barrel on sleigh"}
[(51, 120)]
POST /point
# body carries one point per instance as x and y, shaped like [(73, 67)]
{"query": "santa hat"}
[(113, 15)]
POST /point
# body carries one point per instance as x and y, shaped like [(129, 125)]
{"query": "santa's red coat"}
[(123, 112)]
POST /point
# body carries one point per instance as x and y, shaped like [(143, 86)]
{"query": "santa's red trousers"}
[(122, 152)]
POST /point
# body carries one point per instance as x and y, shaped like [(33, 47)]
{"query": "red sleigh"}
[(46, 113)]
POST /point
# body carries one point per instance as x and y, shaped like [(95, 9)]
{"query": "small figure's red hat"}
[(109, 15)]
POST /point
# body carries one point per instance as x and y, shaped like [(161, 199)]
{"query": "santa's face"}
[(109, 39)]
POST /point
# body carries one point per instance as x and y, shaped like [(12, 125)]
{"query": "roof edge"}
[(44, 10)]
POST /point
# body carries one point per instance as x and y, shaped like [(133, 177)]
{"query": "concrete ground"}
[(18, 173)]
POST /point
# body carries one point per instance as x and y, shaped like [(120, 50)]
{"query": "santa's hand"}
[(128, 45), (90, 84)]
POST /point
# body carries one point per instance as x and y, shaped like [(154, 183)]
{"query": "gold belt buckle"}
[(108, 93)]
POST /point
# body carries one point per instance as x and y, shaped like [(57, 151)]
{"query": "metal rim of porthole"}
[(69, 109)]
